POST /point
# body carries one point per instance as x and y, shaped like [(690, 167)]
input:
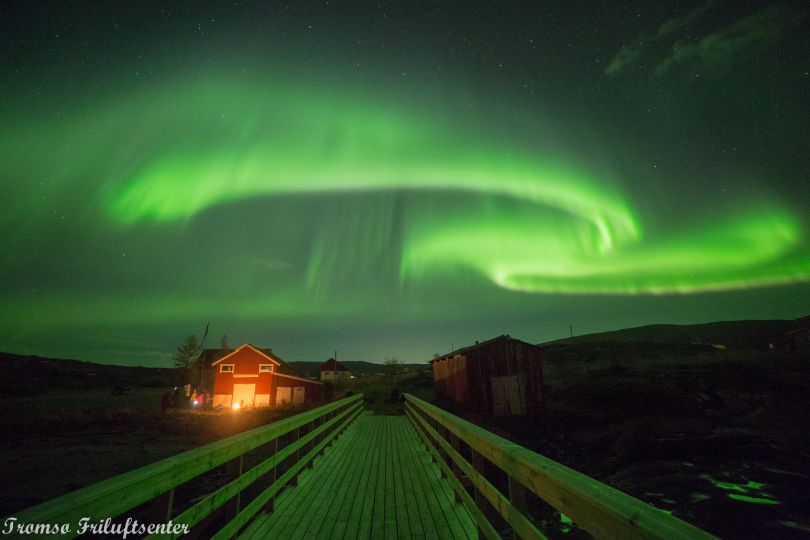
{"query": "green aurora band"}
[(564, 229)]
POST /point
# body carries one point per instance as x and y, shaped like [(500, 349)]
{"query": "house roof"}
[(210, 355), (267, 353), (464, 350), (333, 365)]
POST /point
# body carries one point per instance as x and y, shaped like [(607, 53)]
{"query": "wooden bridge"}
[(338, 471)]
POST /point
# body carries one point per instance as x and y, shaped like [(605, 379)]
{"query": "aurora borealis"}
[(388, 181)]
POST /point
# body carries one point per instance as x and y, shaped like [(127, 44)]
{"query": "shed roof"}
[(465, 350), (288, 376)]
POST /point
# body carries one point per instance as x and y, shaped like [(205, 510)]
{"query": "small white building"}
[(332, 370)]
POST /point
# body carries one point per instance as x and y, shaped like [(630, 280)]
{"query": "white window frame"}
[(265, 366), (223, 366)]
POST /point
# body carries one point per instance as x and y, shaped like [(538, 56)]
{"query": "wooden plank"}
[(382, 443), (233, 526), (411, 446), (407, 508), (348, 491), (318, 488), (376, 525), (116, 495), (450, 486), (392, 525), (348, 524), (304, 473), (469, 514), (601, 510), (206, 506), (484, 489), (279, 519), (418, 454), (438, 500), (333, 476)]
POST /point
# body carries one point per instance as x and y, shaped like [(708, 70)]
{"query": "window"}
[(226, 368), (265, 368)]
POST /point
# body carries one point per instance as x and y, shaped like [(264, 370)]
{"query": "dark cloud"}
[(674, 43)]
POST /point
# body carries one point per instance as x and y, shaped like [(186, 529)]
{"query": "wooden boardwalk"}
[(336, 471), (377, 481)]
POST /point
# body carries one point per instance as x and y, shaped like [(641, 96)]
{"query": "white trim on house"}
[(223, 366), (245, 375), (251, 347), (265, 370)]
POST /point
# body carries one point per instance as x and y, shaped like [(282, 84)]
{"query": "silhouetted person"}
[(166, 401)]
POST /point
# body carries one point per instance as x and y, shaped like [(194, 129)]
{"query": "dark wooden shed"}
[(502, 376)]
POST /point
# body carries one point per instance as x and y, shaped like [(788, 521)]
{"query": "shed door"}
[(508, 396), (297, 394), (243, 394), (289, 394), (283, 395)]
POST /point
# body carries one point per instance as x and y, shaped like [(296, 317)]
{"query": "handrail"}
[(114, 496), (599, 509)]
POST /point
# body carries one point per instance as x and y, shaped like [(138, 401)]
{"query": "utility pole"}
[(335, 355), (571, 328)]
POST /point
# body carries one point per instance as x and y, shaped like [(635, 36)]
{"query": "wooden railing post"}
[(435, 425), (271, 477), (234, 471), (311, 444), (162, 506), (455, 442), (479, 463), (296, 455), (443, 434), (120, 494), (597, 508), (518, 496)]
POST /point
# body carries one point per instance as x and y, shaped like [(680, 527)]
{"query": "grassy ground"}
[(55, 443), (722, 444), (382, 391), (716, 438)]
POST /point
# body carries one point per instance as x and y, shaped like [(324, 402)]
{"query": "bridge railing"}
[(280, 451), (467, 455)]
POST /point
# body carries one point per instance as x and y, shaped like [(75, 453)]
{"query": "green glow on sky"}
[(310, 182), (577, 233)]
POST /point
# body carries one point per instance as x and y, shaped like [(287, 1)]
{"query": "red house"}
[(332, 370), (250, 377)]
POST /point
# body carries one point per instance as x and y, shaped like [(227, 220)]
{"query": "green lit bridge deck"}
[(339, 472), (377, 481)]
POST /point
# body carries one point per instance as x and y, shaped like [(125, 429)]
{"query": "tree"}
[(186, 355), (392, 366)]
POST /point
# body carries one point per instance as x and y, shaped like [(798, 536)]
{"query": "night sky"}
[(397, 179)]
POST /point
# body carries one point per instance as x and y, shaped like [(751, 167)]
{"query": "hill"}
[(667, 347), (27, 375), (313, 369), (753, 335)]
